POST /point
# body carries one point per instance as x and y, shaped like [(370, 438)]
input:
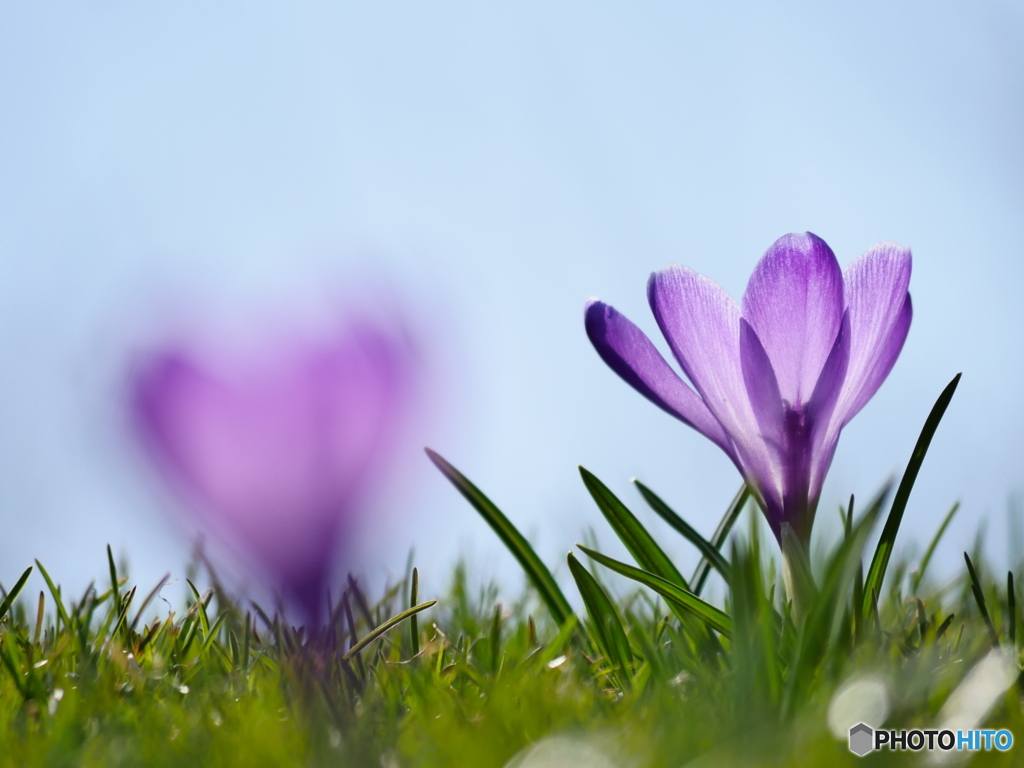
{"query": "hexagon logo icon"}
[(862, 739)]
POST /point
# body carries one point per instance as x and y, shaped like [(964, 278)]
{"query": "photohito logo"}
[(865, 739)]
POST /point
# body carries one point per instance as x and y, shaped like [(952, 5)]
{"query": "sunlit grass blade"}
[(884, 549), (212, 635), (611, 637), (709, 614), (708, 551), (8, 601), (534, 567), (394, 620), (638, 541), (918, 577), (732, 514)]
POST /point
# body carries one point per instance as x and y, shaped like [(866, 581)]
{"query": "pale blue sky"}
[(495, 165)]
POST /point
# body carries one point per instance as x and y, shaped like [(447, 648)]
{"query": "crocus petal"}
[(762, 387), (822, 406), (880, 315), (628, 352), (701, 323), (794, 302)]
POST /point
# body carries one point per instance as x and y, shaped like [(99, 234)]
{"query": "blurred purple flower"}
[(278, 454), (776, 379)]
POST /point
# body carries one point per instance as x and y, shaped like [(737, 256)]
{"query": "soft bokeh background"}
[(490, 167)]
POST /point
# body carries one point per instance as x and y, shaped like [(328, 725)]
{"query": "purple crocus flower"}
[(277, 454), (775, 379)]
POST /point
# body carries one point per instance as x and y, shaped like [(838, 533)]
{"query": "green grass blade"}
[(113, 576), (732, 514), (536, 571), (214, 629), (708, 551), (604, 618), (204, 619), (979, 598), (713, 617), (414, 630), (883, 551), (61, 610), (638, 541), (8, 601), (385, 627), (919, 576)]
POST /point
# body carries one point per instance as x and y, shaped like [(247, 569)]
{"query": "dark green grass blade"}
[(638, 541), (709, 552), (536, 571), (732, 514), (610, 635), (414, 630), (883, 551), (713, 617), (8, 601), (365, 641), (919, 576), (979, 598)]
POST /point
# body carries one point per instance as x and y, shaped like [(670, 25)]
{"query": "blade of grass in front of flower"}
[(414, 630), (918, 577), (246, 637), (631, 532), (715, 618), (666, 513), (607, 624), (979, 598), (884, 549), (55, 593), (11, 596), (754, 650), (732, 514), (536, 571), (394, 620), (821, 623)]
